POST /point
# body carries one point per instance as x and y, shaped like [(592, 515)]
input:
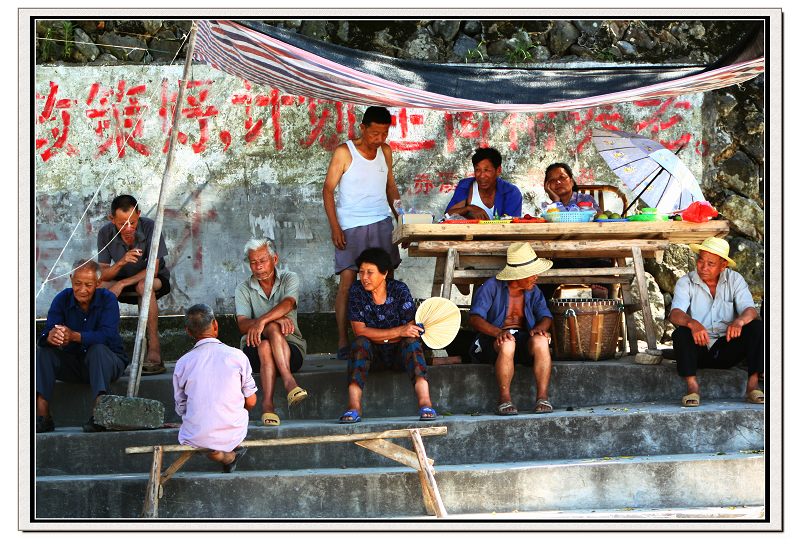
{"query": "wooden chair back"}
[(597, 191)]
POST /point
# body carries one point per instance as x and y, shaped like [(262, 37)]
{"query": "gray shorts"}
[(377, 234)]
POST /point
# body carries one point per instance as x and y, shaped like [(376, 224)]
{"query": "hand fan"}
[(440, 318)]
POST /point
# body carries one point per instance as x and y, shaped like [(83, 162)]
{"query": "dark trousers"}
[(723, 354), (98, 367)]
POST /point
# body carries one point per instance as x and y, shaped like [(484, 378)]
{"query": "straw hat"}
[(522, 262), (714, 245)]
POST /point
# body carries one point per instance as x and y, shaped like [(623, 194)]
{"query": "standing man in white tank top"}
[(362, 218)]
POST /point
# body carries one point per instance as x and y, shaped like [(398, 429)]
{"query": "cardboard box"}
[(416, 218)]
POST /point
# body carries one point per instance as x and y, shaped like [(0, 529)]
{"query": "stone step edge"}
[(439, 469)]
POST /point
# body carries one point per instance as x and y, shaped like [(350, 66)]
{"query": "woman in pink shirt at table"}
[(214, 390)]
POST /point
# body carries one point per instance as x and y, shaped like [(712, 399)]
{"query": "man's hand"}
[(475, 212), (540, 330), (337, 236), (699, 332), (286, 325), (254, 334), (131, 257), (552, 195), (734, 329), (59, 336), (504, 336)]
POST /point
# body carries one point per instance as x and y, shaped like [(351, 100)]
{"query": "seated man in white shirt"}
[(717, 322)]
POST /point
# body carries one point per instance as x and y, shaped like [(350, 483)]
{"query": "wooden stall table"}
[(470, 253)]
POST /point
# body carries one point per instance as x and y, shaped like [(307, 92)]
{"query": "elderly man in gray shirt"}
[(717, 322), (266, 312)]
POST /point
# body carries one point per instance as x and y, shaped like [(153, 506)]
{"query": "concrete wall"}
[(251, 162)]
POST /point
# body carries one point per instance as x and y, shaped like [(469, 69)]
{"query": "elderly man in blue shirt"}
[(717, 322), (513, 323), (80, 342), (485, 195)]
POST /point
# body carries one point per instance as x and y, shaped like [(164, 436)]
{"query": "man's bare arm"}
[(392, 193), (339, 163)]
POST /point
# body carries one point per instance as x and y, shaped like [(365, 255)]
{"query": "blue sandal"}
[(426, 414), (350, 417)]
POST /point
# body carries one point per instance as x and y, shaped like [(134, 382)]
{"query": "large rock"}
[(749, 258), (656, 300), (473, 28), (640, 38), (520, 40), (678, 261), (562, 35), (753, 145), (343, 31), (165, 46), (128, 413), (740, 174), (588, 27), (124, 48), (421, 47), (315, 28), (85, 51), (465, 46), (745, 216), (446, 29), (754, 122), (540, 53), (725, 103), (627, 49)]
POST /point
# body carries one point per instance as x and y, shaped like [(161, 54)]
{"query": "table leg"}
[(438, 273), (449, 267), (644, 297)]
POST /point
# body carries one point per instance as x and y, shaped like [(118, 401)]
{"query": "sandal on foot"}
[(350, 417), (426, 414), (270, 418), (692, 399), (756, 397), (506, 409), (343, 353), (149, 368), (297, 395), (542, 406), (231, 467)]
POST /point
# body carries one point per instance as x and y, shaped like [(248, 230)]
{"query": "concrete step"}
[(641, 429), (457, 389), (694, 480)]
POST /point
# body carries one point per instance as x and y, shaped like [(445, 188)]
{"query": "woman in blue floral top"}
[(381, 312)]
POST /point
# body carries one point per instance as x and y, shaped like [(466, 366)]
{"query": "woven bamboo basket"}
[(585, 329)]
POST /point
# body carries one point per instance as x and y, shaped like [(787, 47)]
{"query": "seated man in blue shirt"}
[(513, 323), (485, 195), (80, 342), (717, 322)]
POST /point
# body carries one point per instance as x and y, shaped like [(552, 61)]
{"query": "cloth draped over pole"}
[(301, 66)]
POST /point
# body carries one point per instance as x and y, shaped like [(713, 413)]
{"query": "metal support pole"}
[(144, 308)]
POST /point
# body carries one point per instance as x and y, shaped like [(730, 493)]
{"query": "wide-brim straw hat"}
[(714, 245), (522, 262)]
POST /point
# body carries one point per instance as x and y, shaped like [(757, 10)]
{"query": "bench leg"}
[(449, 267), (426, 476), (150, 510)]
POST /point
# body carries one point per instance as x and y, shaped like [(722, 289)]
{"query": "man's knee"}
[(507, 348), (99, 351), (682, 335), (272, 328), (362, 342)]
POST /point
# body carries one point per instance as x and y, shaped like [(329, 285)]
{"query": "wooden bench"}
[(376, 442)]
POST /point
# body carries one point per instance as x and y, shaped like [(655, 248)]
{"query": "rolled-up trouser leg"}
[(104, 366), (361, 357), (413, 358)]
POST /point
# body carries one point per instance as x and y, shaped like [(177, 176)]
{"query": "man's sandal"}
[(543, 406), (692, 399), (506, 409), (296, 396), (238, 454), (270, 418), (755, 396)]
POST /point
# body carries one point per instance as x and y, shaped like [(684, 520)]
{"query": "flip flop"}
[(270, 418), (343, 353), (231, 467), (545, 405), (506, 409), (426, 414), (150, 368), (756, 397), (692, 399), (350, 417), (296, 396)]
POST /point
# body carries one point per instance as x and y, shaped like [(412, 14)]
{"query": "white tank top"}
[(476, 200), (362, 191)]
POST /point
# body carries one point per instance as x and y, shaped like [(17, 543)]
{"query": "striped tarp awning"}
[(261, 58)]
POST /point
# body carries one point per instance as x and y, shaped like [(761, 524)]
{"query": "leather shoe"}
[(44, 424)]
